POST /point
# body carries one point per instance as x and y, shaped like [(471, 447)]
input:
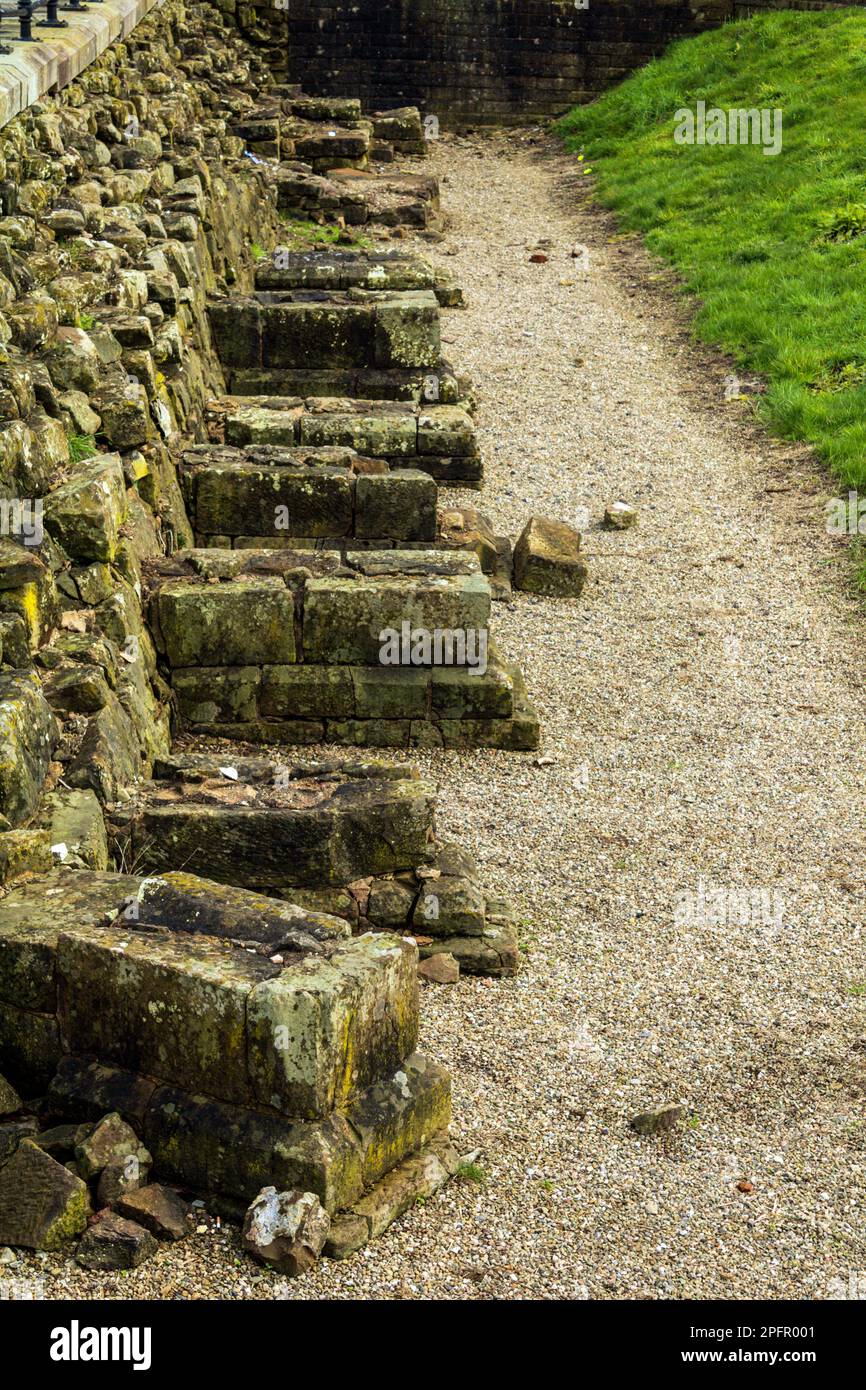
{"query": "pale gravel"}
[(708, 690)]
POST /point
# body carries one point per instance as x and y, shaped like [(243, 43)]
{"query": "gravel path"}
[(702, 708)]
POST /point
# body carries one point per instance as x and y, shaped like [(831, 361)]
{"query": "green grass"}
[(472, 1172), (301, 235), (81, 446), (774, 248)]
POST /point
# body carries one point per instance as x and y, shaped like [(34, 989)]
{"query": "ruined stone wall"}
[(125, 202), (470, 62)]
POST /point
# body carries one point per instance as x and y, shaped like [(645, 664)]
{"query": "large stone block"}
[(330, 333), (320, 1032), (85, 514), (168, 1006), (306, 692), (407, 330), (247, 622), (344, 619), (400, 506), (183, 902), (27, 731), (246, 501), (218, 694), (213, 1147), (298, 827), (33, 915), (372, 430)]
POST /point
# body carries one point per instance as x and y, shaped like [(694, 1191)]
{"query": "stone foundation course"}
[(222, 539)]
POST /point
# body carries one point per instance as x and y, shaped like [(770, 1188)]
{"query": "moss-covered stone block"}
[(167, 1006), (345, 619), (323, 1030), (27, 732), (85, 514), (399, 505), (247, 622)]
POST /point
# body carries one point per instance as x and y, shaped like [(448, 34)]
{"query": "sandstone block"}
[(547, 559)]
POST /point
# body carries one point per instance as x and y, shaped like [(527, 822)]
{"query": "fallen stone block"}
[(119, 1176), (659, 1120), (547, 559), (112, 1140), (620, 516), (112, 1243), (442, 969), (158, 1209), (495, 951), (42, 1204)]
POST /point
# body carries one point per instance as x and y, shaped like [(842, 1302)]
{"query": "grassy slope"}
[(749, 233)]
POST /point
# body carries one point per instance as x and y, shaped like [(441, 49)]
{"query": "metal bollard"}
[(52, 20), (25, 21)]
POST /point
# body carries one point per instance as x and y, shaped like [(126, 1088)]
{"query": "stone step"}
[(273, 612), (358, 197), (438, 385), (320, 329), (324, 145), (265, 496), (439, 439), (336, 268), (146, 976), (387, 648), (355, 840), (229, 1150), (275, 826)]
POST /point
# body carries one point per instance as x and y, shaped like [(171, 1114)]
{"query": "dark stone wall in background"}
[(470, 62)]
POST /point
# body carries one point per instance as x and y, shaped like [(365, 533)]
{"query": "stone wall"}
[(471, 62)]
